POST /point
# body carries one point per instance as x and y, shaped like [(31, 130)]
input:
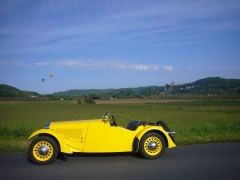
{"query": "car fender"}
[(62, 141), (159, 129)]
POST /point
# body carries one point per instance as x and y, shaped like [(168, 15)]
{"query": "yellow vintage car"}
[(99, 136)]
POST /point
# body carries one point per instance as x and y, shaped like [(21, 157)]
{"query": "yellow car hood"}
[(74, 124)]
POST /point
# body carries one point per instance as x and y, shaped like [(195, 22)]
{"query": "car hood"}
[(72, 124)]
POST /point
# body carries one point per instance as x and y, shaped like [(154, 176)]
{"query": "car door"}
[(103, 137)]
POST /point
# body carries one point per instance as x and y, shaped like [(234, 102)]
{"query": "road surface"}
[(211, 161)]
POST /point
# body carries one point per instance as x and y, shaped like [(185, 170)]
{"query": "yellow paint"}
[(40, 157), (62, 140), (102, 137), (158, 146), (96, 136), (171, 144)]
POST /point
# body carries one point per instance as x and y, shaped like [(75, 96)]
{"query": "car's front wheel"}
[(43, 150), (152, 145)]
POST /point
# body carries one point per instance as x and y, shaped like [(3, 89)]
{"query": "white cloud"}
[(168, 68), (44, 63), (100, 64), (137, 67), (91, 64)]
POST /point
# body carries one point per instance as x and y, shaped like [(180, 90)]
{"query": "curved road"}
[(211, 161)]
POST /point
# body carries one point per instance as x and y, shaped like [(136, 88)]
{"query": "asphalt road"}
[(212, 161)]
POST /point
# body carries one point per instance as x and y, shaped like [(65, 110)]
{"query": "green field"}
[(193, 121)]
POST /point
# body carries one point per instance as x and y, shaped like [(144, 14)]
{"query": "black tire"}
[(145, 150), (53, 150)]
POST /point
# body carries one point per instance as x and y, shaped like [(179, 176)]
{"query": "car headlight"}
[(46, 126)]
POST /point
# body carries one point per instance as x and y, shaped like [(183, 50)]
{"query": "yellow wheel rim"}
[(152, 145), (42, 150)]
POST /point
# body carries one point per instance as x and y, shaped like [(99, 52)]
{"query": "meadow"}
[(201, 121)]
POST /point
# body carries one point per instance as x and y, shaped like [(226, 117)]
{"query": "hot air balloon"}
[(51, 75), (43, 80)]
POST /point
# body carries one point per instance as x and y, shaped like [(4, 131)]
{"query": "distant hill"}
[(113, 93), (209, 86), (7, 91), (212, 86)]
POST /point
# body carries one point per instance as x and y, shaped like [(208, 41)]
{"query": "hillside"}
[(7, 91), (209, 86), (114, 93), (212, 86)]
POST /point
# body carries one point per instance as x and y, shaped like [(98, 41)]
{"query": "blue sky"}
[(116, 43)]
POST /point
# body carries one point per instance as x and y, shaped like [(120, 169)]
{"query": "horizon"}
[(59, 91), (52, 46)]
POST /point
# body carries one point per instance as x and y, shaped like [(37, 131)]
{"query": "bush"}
[(86, 100)]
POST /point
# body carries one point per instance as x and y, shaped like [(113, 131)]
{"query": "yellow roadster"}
[(99, 136)]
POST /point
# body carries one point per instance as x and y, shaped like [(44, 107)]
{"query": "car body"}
[(99, 136)]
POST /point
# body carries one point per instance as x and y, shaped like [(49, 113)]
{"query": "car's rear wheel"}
[(152, 145), (43, 150)]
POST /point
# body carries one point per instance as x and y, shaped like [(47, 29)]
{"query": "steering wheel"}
[(108, 116), (113, 121)]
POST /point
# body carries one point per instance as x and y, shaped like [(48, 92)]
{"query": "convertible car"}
[(99, 136)]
